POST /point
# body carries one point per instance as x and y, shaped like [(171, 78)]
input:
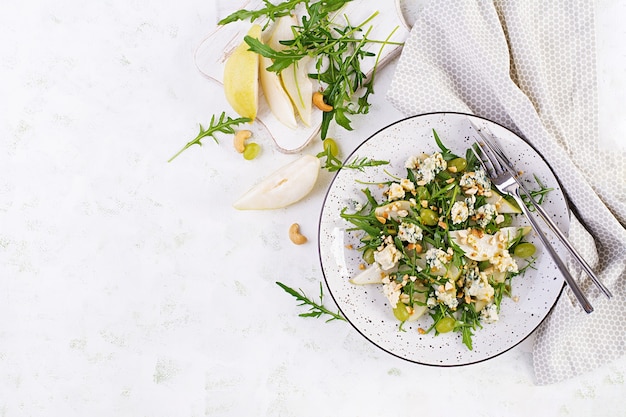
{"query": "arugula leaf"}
[(333, 163), (445, 152), (224, 125), (282, 59), (316, 310), (472, 161), (469, 321), (539, 195), (366, 223), (272, 11)]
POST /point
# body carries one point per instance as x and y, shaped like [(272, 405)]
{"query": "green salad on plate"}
[(440, 242)]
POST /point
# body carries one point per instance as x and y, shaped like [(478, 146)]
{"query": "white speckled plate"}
[(367, 309)]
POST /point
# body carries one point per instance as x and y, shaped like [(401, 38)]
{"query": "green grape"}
[(457, 165), (429, 217), (401, 312), (524, 250), (251, 151), (368, 255), (445, 325), (422, 193), (330, 143)]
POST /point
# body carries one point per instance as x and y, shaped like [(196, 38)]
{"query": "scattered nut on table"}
[(239, 141), (295, 235)]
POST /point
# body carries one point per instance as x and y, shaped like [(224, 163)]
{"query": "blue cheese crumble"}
[(446, 293), (459, 212), (427, 168), (477, 286), (410, 232), (489, 314), (504, 262), (407, 185), (387, 255), (470, 201), (436, 258), (392, 290), (395, 192), (484, 214), (476, 183)]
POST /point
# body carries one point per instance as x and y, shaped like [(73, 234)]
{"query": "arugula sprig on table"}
[(316, 310), (224, 124)]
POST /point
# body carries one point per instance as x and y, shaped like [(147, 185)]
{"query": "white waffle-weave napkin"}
[(530, 65)]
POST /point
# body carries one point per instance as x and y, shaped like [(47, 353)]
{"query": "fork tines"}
[(488, 162), (500, 168)]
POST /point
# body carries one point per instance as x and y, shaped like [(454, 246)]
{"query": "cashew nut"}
[(318, 100), (239, 142), (295, 235)]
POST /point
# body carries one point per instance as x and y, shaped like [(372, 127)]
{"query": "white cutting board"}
[(219, 44)]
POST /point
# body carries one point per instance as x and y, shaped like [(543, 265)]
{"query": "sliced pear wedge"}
[(241, 78), (503, 205), (300, 88), (373, 274), (391, 210), (281, 31), (288, 185), (277, 98), (418, 311), (295, 77), (453, 272), (486, 246)]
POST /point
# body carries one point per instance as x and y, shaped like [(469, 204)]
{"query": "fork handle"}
[(569, 279), (559, 234)]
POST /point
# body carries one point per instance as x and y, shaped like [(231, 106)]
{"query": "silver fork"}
[(506, 183), (495, 148)]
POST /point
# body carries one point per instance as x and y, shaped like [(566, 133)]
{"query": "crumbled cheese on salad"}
[(412, 162), (387, 255), (504, 262), (410, 232), (484, 214), (392, 290), (459, 212), (407, 185), (476, 182), (436, 258), (447, 294), (470, 201), (489, 314), (395, 192), (428, 168), (477, 286)]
